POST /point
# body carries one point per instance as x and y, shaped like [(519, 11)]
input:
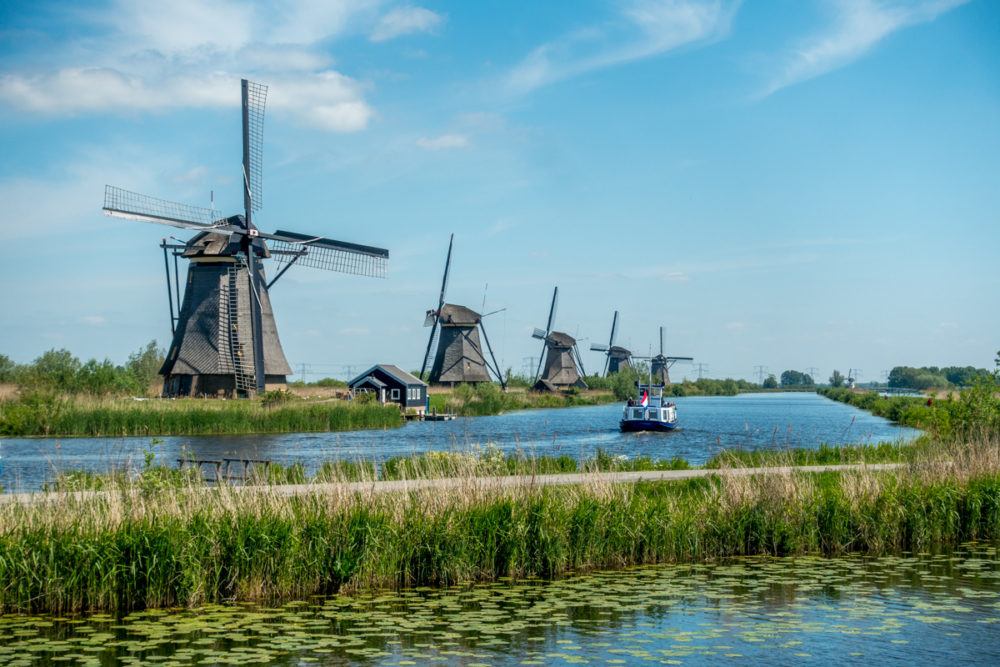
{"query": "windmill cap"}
[(560, 339), (452, 314)]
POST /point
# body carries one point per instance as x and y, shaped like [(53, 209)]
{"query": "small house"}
[(391, 384)]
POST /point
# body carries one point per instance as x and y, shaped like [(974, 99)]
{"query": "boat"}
[(649, 411)]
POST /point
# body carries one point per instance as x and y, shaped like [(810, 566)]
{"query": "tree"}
[(796, 379), (771, 382), (55, 369), (7, 368), (837, 379), (144, 365)]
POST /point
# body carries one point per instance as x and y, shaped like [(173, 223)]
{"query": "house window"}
[(394, 395)]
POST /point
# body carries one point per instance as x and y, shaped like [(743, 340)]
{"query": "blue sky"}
[(791, 184)]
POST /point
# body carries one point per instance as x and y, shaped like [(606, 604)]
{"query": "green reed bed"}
[(188, 546), (487, 399), (53, 415), (974, 411)]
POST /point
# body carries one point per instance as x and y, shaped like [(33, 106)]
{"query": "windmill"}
[(618, 358), (225, 340), (660, 364), (563, 367), (456, 329)]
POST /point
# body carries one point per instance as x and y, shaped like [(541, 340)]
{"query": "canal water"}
[(708, 425), (914, 610)]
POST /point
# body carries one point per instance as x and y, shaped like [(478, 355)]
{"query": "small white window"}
[(394, 394)]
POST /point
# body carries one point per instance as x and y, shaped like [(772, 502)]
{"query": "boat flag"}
[(645, 399)]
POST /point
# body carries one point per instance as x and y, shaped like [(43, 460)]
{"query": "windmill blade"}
[(447, 272), (539, 334), (120, 203), (673, 359), (579, 360), (661, 341), (254, 100), (552, 311), (436, 314), (614, 330), (327, 254), (599, 347)]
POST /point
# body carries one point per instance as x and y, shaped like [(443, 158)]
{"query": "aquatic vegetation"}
[(776, 610), (974, 413), (52, 414), (188, 546)]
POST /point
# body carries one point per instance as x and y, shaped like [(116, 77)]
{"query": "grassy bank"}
[(973, 412), (487, 399), (180, 546), (61, 415)]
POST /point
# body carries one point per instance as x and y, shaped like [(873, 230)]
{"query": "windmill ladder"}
[(243, 370)]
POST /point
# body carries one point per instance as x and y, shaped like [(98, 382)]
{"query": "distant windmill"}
[(563, 367), (225, 338), (618, 358), (660, 364), (456, 330)]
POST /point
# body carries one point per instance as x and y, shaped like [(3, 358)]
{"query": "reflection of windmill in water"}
[(618, 358), (225, 340), (455, 329), (660, 364), (560, 366)]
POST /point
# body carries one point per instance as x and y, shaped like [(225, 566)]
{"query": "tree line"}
[(61, 371)]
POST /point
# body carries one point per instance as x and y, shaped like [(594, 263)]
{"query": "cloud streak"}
[(857, 28), (443, 142), (143, 57), (405, 21), (644, 28)]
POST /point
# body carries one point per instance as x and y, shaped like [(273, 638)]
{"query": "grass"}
[(154, 547), (57, 415), (487, 399), (974, 412)]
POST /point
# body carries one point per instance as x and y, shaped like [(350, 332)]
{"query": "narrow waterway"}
[(708, 425), (917, 609)]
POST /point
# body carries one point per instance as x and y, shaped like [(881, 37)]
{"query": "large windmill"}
[(459, 357), (617, 358), (660, 364), (225, 340), (560, 366)]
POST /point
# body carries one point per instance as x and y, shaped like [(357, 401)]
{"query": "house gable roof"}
[(394, 372)]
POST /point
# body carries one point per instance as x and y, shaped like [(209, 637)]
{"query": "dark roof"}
[(560, 339), (395, 372), (459, 315), (369, 379), (211, 244)]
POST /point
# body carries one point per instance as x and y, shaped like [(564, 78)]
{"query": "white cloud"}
[(405, 21), (191, 54), (645, 28), (443, 142), (736, 326), (94, 320), (858, 26)]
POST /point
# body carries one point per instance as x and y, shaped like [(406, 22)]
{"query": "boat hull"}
[(635, 425)]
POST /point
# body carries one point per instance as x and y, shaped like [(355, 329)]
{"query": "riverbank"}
[(56, 415), (181, 546), (487, 399), (973, 412)]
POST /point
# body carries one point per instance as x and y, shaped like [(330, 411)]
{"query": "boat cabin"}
[(391, 384)]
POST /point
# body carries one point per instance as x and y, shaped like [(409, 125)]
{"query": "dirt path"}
[(448, 483)]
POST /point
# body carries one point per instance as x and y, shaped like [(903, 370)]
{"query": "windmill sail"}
[(225, 332)]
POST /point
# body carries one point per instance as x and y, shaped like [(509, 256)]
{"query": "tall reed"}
[(51, 415), (186, 546)]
